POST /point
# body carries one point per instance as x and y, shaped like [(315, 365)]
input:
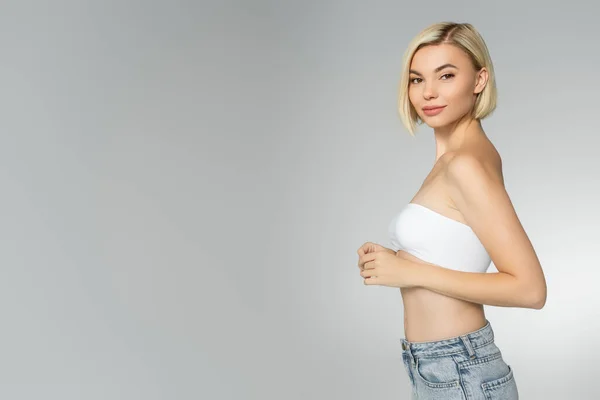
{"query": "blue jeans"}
[(466, 367)]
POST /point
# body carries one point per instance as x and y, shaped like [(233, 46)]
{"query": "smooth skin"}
[(467, 185)]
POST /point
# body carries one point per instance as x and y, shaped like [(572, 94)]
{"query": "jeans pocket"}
[(438, 372), (504, 388)]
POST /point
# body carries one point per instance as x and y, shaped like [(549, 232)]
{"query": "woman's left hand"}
[(386, 269)]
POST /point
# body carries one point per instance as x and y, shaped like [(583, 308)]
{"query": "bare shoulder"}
[(482, 158)]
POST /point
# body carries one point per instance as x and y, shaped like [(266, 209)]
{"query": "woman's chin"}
[(435, 123)]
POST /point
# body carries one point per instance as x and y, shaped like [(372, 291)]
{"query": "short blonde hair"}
[(465, 37)]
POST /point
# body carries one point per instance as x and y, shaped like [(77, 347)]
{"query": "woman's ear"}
[(481, 80)]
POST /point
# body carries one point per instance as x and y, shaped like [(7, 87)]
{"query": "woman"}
[(460, 220)]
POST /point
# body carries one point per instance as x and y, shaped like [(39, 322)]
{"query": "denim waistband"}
[(467, 342)]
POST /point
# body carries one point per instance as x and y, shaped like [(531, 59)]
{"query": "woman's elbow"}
[(537, 298)]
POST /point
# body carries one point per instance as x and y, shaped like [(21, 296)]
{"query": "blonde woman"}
[(460, 220)]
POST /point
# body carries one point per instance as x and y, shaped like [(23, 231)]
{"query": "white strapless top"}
[(437, 239)]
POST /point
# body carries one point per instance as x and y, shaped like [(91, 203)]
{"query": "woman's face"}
[(443, 76)]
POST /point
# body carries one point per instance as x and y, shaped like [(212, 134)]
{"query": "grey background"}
[(185, 186)]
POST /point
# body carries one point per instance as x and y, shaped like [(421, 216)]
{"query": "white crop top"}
[(437, 239)]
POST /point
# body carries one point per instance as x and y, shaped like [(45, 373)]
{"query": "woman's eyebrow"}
[(438, 69)]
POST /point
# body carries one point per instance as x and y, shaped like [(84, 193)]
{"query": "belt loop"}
[(408, 350), (468, 345), (412, 356)]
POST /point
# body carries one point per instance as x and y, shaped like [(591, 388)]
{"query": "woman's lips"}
[(433, 111)]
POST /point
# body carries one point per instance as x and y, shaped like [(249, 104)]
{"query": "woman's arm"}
[(482, 200), (496, 289)]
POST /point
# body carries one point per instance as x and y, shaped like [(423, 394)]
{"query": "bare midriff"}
[(431, 316)]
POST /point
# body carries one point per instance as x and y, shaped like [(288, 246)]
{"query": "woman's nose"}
[(429, 91)]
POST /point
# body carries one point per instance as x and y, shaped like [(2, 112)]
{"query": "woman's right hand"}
[(370, 247)]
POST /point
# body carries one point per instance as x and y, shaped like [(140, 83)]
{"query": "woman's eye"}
[(412, 80), (448, 75)]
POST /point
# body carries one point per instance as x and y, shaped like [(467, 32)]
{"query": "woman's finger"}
[(366, 273)]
